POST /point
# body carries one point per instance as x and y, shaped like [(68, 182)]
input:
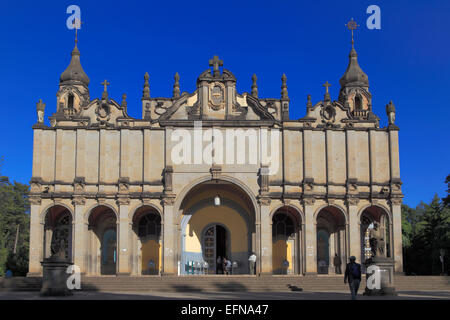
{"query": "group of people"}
[(224, 265)]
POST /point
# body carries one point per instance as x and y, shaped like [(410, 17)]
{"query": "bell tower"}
[(354, 93), (73, 93)]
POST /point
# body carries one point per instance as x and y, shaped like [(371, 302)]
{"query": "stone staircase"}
[(227, 283)]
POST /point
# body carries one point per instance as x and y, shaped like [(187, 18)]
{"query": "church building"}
[(213, 173)]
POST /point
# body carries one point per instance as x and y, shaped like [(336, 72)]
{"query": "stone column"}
[(123, 245), (396, 209), (354, 229), (265, 237), (310, 236), (79, 234), (169, 242), (36, 238)]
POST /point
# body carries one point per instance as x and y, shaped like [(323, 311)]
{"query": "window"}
[(150, 225), (70, 101), (282, 226), (358, 102)]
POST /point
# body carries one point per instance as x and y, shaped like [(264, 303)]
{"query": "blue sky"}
[(407, 61)]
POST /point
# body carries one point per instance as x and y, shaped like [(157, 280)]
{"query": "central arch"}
[(232, 222)]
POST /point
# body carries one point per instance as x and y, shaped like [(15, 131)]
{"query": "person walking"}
[(252, 263), (337, 264), (353, 275)]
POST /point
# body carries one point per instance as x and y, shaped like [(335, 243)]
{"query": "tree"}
[(446, 200), (14, 213)]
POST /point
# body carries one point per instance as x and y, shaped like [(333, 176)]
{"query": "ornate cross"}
[(352, 25), (77, 26), (326, 85), (105, 84), (216, 63)]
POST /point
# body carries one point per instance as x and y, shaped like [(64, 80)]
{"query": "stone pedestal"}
[(380, 280), (54, 280)]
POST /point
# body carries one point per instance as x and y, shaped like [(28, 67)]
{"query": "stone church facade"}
[(213, 173)]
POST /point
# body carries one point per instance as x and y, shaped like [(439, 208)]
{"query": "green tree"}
[(446, 200), (14, 215)]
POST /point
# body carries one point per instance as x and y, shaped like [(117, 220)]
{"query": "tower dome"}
[(74, 71)]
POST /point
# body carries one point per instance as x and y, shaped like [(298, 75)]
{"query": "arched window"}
[(70, 101), (150, 226), (358, 102), (282, 226)]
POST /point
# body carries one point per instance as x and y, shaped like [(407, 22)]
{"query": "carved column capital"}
[(168, 199), (34, 200), (123, 201), (309, 201), (395, 201), (79, 201), (351, 201), (264, 201)]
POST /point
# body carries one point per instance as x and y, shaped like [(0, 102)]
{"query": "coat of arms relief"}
[(216, 96)]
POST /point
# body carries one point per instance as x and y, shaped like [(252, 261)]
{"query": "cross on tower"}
[(77, 25), (326, 85), (352, 25), (216, 63), (105, 84)]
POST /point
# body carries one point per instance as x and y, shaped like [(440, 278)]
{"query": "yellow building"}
[(210, 174)]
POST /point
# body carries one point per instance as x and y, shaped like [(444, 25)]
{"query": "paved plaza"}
[(305, 295)]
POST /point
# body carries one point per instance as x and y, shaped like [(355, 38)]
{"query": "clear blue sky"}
[(407, 61)]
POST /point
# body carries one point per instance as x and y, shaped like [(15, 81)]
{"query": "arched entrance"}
[(102, 241), (286, 241), (375, 233), (331, 240), (147, 241), (217, 218), (58, 232)]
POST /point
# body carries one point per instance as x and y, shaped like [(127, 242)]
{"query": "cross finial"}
[(326, 85), (327, 94), (352, 25), (216, 63), (105, 84), (77, 25)]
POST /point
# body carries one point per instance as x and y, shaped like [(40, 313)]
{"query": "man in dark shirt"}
[(353, 275)]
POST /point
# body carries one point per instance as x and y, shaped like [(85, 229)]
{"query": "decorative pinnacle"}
[(308, 102), (124, 101), (327, 94), (254, 86), (352, 25), (146, 91), (284, 92), (176, 86)]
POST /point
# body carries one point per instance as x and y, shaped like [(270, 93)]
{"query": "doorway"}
[(215, 244)]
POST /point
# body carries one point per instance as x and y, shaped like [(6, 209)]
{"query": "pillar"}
[(170, 267), (396, 209), (310, 237), (354, 227), (36, 238), (79, 234), (265, 236), (123, 245)]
